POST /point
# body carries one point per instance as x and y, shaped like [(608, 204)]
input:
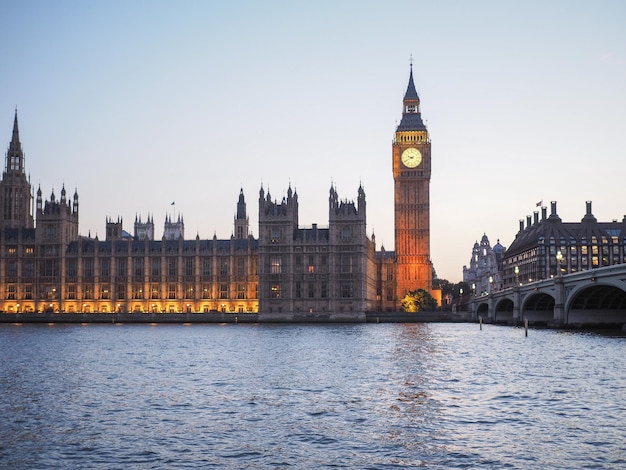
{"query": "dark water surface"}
[(304, 396)]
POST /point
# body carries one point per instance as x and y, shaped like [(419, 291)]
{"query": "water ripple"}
[(334, 396)]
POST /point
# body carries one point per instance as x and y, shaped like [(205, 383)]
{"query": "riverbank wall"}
[(216, 317)]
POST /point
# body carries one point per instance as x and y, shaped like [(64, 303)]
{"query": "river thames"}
[(310, 396)]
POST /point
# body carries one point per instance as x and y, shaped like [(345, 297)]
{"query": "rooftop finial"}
[(411, 60)]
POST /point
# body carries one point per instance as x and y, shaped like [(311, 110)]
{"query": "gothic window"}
[(71, 268), (223, 291), (241, 267), (155, 267), (171, 291), (104, 292), (298, 290), (87, 291), (241, 291), (121, 291), (275, 291), (154, 291), (11, 292), (71, 291), (346, 263), (346, 291), (104, 268), (275, 265), (137, 291), (138, 267), (88, 267), (206, 291), (188, 291), (121, 267), (389, 294), (11, 269), (28, 292), (206, 266), (311, 290), (324, 290), (224, 267), (172, 266), (189, 269)]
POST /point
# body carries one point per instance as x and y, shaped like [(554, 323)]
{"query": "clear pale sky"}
[(137, 104)]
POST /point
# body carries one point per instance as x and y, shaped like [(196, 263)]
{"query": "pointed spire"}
[(16, 132), (411, 92), (15, 155), (411, 117), (241, 206)]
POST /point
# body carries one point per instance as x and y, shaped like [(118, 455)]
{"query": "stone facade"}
[(484, 273), (411, 176), (332, 272), (545, 246)]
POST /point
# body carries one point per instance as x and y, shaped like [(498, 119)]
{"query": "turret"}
[(15, 190), (241, 222)]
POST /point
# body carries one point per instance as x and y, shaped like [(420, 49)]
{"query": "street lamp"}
[(490, 284), (516, 270), (559, 259)]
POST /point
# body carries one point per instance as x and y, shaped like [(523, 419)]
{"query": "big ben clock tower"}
[(411, 178)]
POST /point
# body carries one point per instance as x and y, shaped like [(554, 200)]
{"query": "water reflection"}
[(360, 396)]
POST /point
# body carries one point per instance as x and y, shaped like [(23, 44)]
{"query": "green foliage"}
[(418, 300)]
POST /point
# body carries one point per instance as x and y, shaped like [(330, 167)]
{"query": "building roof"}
[(552, 230)]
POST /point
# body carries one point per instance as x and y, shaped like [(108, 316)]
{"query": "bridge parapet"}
[(552, 300)]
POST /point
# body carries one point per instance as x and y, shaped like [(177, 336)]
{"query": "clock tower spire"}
[(411, 176)]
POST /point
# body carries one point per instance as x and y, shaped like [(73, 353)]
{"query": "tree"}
[(418, 300)]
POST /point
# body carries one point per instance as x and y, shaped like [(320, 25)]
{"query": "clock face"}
[(411, 157)]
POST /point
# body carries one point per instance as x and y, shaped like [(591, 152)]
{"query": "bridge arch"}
[(538, 307), (482, 310), (503, 311), (597, 303)]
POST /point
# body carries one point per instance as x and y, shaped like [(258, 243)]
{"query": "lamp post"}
[(516, 270), (490, 284), (559, 259)]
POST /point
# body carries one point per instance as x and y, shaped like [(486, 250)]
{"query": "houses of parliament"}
[(333, 271)]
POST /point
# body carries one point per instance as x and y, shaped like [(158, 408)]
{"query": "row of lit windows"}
[(347, 264), (137, 292), (12, 250), (346, 290)]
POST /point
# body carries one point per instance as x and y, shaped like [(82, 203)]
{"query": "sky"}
[(138, 104)]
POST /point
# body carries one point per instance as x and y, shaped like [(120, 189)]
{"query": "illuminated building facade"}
[(411, 176), (332, 271), (545, 246)]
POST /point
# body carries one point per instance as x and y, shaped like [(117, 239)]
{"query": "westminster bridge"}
[(593, 297)]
